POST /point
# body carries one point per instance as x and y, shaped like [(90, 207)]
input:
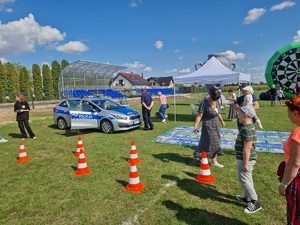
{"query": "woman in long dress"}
[(209, 114), (232, 99)]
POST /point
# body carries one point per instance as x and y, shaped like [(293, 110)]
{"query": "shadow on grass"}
[(15, 135), (202, 190), (175, 157), (199, 216), (122, 182)]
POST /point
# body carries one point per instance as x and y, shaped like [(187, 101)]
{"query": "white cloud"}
[(254, 15), (46, 64), (3, 60), (72, 47), (282, 5), (176, 51), (23, 36), (148, 69), (159, 44), (172, 71), (194, 40), (236, 42), (134, 3), (187, 70), (232, 55), (297, 37), (134, 65), (3, 4)]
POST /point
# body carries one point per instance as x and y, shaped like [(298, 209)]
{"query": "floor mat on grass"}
[(267, 141)]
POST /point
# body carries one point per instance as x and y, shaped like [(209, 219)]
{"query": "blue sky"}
[(153, 37)]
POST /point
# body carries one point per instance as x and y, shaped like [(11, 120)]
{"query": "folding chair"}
[(194, 109)]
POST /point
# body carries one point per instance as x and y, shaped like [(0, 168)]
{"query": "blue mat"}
[(267, 141)]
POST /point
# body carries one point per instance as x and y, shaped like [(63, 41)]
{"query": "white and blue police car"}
[(94, 112)]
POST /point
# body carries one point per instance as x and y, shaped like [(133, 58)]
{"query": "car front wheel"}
[(106, 127), (61, 124)]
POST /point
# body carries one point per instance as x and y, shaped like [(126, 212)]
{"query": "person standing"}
[(163, 106), (210, 140), (232, 99), (147, 104), (246, 158), (22, 109), (280, 95), (289, 170), (273, 95)]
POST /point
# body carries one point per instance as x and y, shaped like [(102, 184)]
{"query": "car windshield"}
[(107, 104)]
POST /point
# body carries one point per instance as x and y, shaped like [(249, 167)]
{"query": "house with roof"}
[(166, 82), (129, 80)]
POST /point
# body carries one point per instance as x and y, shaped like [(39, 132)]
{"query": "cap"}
[(249, 110), (242, 86), (248, 88)]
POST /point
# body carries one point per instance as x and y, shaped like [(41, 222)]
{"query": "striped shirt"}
[(247, 133)]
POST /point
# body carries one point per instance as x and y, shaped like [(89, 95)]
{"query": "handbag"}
[(168, 106)]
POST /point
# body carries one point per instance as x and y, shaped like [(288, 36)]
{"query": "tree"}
[(64, 63), (13, 77), (24, 82), (3, 82), (47, 82), (55, 68), (37, 82)]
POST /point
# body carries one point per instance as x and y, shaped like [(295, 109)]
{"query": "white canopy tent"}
[(212, 72)]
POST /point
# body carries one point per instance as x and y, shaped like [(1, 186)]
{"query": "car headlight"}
[(120, 117)]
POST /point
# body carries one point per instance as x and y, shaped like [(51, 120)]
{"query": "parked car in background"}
[(94, 112)]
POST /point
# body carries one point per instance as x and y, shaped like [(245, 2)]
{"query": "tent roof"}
[(212, 72), (88, 71)]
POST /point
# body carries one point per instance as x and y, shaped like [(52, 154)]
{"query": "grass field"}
[(47, 191)]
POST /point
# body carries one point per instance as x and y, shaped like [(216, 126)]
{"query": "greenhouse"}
[(86, 78)]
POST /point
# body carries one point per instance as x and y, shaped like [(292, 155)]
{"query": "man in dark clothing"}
[(147, 103)]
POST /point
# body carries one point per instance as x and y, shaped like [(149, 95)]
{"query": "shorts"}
[(273, 97)]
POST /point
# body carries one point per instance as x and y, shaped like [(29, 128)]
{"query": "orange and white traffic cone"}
[(82, 166), (205, 176), (133, 155), (79, 146), (134, 183), (22, 154)]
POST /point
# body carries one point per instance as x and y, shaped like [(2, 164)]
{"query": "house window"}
[(153, 83), (121, 82)]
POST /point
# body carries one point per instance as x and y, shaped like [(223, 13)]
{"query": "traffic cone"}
[(133, 155), (205, 176), (82, 166), (22, 154), (79, 146), (134, 184)]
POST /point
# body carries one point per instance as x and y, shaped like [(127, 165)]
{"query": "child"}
[(280, 95), (248, 101), (246, 158)]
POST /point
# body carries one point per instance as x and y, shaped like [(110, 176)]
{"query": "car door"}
[(84, 115)]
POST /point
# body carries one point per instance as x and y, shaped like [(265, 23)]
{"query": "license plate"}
[(136, 121)]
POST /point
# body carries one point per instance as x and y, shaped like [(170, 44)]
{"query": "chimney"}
[(131, 74), (142, 75)]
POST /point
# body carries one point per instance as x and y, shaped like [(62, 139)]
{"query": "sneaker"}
[(3, 140), (151, 128), (216, 164), (145, 128), (163, 121), (253, 207), (242, 198), (23, 139), (34, 137)]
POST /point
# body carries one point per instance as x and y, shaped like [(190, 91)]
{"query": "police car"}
[(94, 112)]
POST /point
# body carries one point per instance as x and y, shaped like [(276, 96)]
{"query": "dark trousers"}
[(25, 124), (147, 118)]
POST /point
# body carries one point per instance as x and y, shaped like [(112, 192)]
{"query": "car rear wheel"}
[(106, 126), (62, 124)]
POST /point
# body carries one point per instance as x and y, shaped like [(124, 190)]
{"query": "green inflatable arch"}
[(283, 69)]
